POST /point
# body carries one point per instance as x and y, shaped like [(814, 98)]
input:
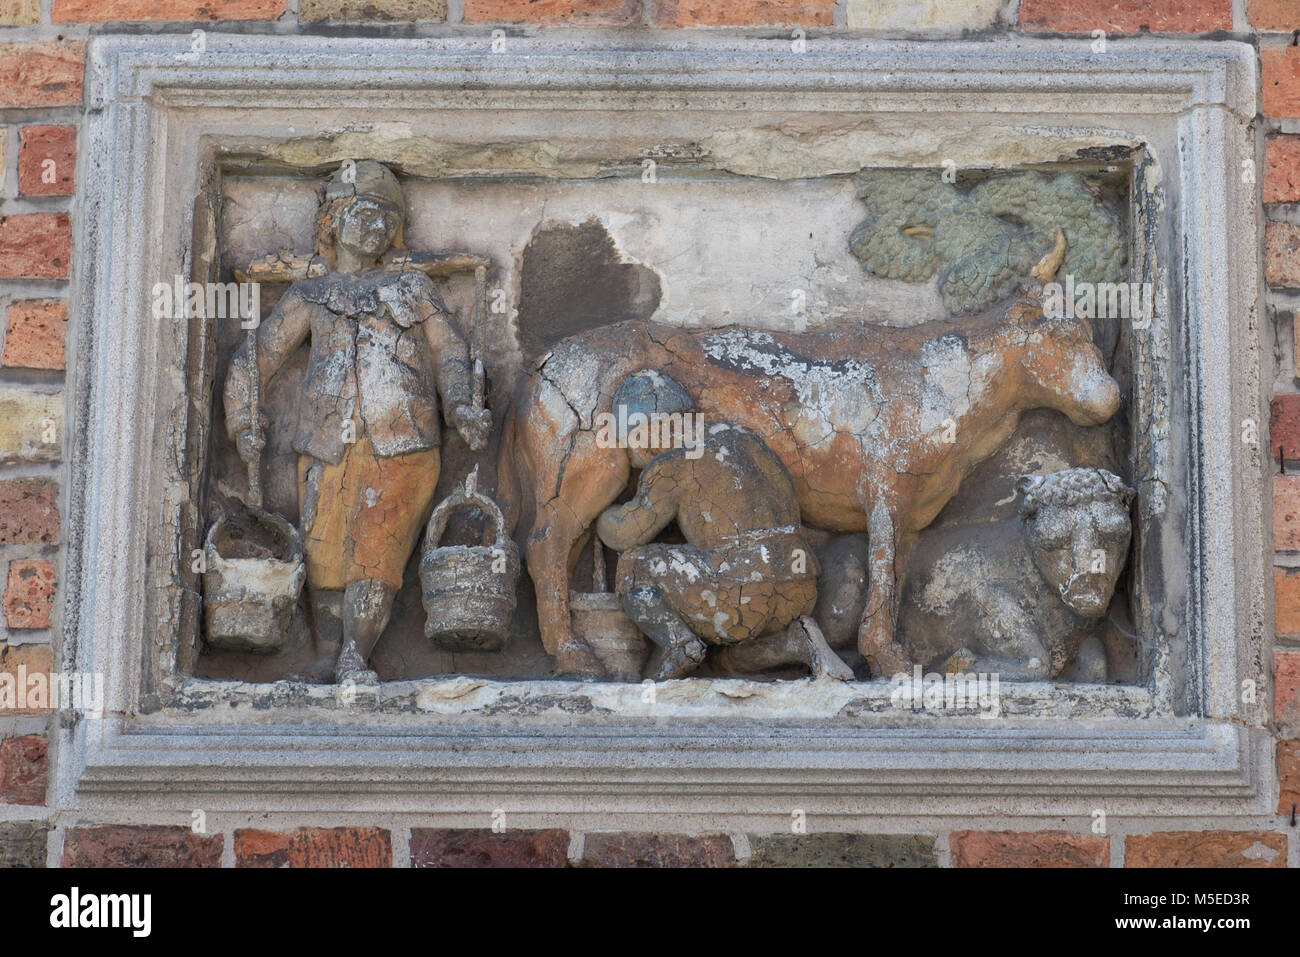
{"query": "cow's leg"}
[(876, 641), (588, 479)]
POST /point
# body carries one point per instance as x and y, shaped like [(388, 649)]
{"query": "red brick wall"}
[(41, 66)]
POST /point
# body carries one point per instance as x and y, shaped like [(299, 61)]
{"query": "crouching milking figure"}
[(745, 570)]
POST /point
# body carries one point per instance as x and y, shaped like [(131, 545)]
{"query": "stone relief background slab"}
[(1187, 104)]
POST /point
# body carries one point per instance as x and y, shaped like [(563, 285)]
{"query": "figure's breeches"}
[(728, 595), (362, 517)]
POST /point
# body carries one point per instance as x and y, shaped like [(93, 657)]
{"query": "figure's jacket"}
[(379, 343)]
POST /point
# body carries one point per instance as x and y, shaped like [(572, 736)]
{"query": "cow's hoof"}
[(888, 661), (575, 659)]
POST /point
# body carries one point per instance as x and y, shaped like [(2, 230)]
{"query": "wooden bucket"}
[(468, 590), (254, 571)]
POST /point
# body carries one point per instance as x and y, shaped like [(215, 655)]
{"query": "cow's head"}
[(1077, 525), (1064, 369)]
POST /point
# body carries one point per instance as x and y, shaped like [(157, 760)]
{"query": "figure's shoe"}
[(352, 667), (575, 659), (681, 658)]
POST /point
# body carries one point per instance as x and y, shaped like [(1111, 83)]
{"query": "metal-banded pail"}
[(468, 590), (254, 571)]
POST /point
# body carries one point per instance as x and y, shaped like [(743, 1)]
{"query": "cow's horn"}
[(1047, 266)]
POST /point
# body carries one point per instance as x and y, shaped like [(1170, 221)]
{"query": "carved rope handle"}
[(457, 500)]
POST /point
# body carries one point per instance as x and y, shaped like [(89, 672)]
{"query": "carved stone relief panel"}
[(701, 401), (660, 423)]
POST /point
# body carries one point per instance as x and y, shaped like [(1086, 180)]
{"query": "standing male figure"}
[(368, 433)]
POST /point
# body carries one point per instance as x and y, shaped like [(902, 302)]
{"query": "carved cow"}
[(876, 425)]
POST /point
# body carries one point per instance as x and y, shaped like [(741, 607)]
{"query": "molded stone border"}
[(293, 748)]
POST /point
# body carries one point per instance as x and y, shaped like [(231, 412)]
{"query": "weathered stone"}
[(41, 74), (1028, 849), (23, 843), (29, 594), (46, 160), (1286, 687), (29, 512), (1273, 15), (35, 335), (314, 847), (657, 850), (485, 848), (1286, 600), (17, 12), (842, 850), (31, 426), (124, 845), (1206, 849), (1126, 16), (588, 13), (354, 11), (1282, 168), (24, 769), (1286, 512), (1280, 80), (35, 246), (928, 16), (25, 678), (742, 13), (100, 11)]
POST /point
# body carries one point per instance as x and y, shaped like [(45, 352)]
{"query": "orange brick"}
[(1286, 687), (46, 160), (1028, 849), (24, 770), (101, 11), (1288, 775), (1286, 600), (29, 593), (1280, 85), (1282, 255), (35, 246), (1273, 14), (34, 334), (13, 12), (1126, 16), (41, 74), (29, 512), (25, 679), (742, 13), (1206, 849), (1282, 169), (118, 845), (590, 13), (314, 847), (1286, 512)]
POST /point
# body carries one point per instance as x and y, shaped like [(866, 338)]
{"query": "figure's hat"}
[(373, 180)]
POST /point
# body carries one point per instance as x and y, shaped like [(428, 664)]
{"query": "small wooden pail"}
[(469, 590), (254, 571), (599, 620)]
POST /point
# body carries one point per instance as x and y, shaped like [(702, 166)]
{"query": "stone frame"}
[(593, 756)]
